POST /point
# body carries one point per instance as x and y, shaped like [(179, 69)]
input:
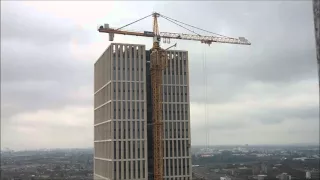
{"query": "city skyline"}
[(263, 94)]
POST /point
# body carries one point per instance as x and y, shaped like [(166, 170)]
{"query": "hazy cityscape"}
[(47, 164), (236, 162), (86, 103)]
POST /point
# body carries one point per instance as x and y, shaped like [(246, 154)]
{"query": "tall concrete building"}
[(123, 138), (120, 116)]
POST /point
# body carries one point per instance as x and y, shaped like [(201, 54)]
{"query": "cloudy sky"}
[(266, 93)]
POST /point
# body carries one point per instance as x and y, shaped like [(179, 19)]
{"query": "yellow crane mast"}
[(158, 62)]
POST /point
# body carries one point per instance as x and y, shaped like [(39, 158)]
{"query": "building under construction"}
[(167, 106), (123, 125)]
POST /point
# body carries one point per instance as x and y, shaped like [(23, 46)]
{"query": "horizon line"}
[(289, 144)]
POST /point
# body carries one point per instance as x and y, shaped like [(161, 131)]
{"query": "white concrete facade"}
[(176, 117), (120, 113)]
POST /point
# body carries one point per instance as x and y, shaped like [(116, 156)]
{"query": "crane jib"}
[(167, 35)]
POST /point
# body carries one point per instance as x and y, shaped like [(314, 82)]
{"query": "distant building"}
[(312, 175), (206, 155), (308, 175), (255, 170), (304, 159), (284, 176), (225, 178), (264, 168), (261, 177), (277, 165)]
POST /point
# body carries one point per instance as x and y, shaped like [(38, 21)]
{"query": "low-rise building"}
[(284, 176), (225, 178), (312, 175), (261, 176)]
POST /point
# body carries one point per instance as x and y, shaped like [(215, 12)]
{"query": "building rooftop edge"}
[(126, 44), (131, 45)]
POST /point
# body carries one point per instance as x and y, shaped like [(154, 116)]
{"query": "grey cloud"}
[(52, 97), (278, 115), (35, 72), (227, 80), (261, 117), (42, 78), (230, 126), (47, 137), (271, 119), (272, 65), (20, 23), (42, 63), (304, 131), (39, 72), (286, 66), (304, 112), (7, 112), (220, 89), (282, 49)]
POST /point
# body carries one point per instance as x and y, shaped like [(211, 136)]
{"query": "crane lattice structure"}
[(158, 63)]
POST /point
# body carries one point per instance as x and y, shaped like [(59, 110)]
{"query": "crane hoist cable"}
[(175, 22), (181, 26), (194, 27), (134, 22), (164, 17), (205, 78), (167, 18), (206, 88)]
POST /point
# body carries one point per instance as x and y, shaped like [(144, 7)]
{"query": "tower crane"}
[(158, 62)]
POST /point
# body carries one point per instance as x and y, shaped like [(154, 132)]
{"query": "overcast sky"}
[(266, 93)]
